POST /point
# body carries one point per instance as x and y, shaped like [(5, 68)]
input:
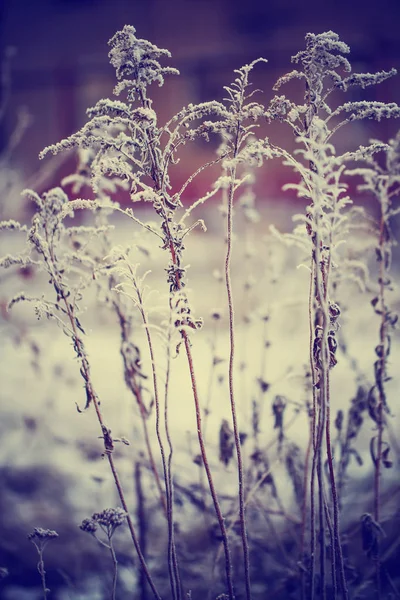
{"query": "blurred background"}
[(59, 65), (55, 66)]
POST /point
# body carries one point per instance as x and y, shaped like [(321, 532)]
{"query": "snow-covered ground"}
[(41, 428)]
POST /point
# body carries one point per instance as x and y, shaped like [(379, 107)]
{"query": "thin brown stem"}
[(108, 446), (380, 374), (115, 571), (221, 521), (313, 436), (42, 573), (242, 513), (175, 587), (172, 555), (135, 388), (304, 509), (129, 520), (335, 501), (321, 363), (92, 398), (321, 509), (157, 175)]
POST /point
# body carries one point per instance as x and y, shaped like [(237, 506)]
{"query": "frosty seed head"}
[(108, 519), (39, 534), (88, 525)]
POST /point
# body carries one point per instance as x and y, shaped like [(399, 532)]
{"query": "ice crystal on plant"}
[(42, 535), (136, 62), (320, 62), (109, 519)]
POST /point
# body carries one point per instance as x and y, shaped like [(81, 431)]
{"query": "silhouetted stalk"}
[(220, 518), (172, 556), (319, 386), (238, 133), (115, 572), (42, 574)]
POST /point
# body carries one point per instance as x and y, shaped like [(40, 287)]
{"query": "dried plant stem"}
[(133, 385), (173, 565), (242, 515), (382, 367), (321, 505), (42, 572), (335, 502), (131, 377), (304, 510), (107, 439), (313, 438), (91, 396), (380, 385), (128, 518), (322, 320), (333, 554), (172, 555), (115, 571), (157, 175), (316, 304), (220, 518), (221, 521)]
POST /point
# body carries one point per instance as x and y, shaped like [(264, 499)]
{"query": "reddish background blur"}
[(61, 67)]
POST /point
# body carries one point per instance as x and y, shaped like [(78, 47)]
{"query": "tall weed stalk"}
[(129, 145), (383, 182), (325, 225)]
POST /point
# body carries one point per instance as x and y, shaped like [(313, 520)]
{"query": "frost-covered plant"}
[(129, 144), (324, 227), (40, 538), (240, 150), (131, 287), (108, 521), (383, 182), (123, 147), (123, 307), (57, 250)]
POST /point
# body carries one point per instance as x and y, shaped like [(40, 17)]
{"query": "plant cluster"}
[(123, 147)]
